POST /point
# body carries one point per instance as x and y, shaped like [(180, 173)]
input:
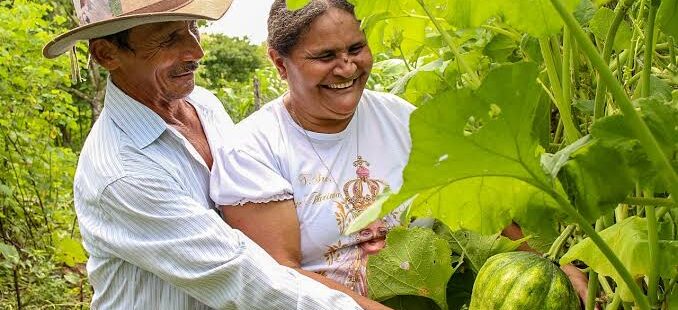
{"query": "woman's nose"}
[(345, 67)]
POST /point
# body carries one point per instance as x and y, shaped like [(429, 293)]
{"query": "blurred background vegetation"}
[(45, 117)]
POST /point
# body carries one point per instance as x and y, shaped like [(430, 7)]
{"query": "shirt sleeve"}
[(154, 224), (240, 176)]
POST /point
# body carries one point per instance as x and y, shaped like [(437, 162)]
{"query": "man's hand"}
[(579, 281)]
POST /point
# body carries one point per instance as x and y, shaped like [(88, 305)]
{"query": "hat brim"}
[(196, 9)]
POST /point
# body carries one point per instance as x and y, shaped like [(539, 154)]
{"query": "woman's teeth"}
[(341, 85)]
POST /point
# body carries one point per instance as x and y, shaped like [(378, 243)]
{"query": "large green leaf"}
[(667, 17), (469, 14), (477, 248), (475, 160), (600, 24), (487, 205), (628, 240), (596, 180), (393, 25), (536, 17), (414, 262), (662, 118)]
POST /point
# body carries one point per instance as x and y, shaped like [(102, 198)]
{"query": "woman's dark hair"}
[(286, 27)]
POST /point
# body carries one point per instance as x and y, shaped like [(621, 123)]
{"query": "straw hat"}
[(99, 18)]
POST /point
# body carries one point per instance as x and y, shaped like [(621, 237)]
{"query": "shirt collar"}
[(139, 122)]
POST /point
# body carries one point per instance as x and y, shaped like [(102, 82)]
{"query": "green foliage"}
[(414, 262), (629, 240), (667, 17), (228, 60), (487, 139), (239, 73), (36, 159), (600, 24), (477, 248)]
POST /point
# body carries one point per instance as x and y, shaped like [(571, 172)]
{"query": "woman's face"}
[(328, 68)]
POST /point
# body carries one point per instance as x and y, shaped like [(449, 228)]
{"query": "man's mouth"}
[(186, 69), (183, 74)]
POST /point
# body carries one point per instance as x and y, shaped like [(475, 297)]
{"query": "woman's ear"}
[(279, 62), (105, 53)]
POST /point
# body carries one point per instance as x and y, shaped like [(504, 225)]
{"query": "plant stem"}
[(592, 291), (649, 48), (552, 254), (571, 132), (402, 56), (649, 201), (17, 291), (559, 132), (631, 116), (672, 53), (566, 72), (616, 302), (641, 301), (513, 36), (600, 99), (653, 243), (473, 76)]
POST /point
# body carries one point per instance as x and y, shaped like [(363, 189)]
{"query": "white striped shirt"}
[(148, 224)]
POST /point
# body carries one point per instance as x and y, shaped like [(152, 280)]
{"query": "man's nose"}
[(192, 51)]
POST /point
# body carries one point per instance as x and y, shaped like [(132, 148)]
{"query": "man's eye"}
[(324, 57), (356, 49)]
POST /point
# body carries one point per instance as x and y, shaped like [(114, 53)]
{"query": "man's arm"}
[(152, 223), (274, 226)]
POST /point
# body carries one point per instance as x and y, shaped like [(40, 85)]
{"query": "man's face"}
[(160, 66)]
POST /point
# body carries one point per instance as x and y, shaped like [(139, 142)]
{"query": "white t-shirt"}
[(274, 159)]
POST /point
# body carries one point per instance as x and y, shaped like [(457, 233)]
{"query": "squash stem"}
[(649, 201), (552, 254), (566, 72), (672, 54), (631, 116), (600, 99), (571, 132), (640, 299), (653, 243), (473, 76), (616, 302), (649, 48), (592, 291)]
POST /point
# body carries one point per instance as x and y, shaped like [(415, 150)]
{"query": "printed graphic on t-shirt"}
[(347, 258)]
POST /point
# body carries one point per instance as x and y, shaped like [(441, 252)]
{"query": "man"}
[(141, 196)]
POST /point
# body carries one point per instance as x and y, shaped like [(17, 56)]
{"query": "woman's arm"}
[(275, 227)]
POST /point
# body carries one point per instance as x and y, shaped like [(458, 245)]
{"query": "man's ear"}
[(279, 62), (105, 53)]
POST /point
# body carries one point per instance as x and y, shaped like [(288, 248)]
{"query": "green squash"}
[(522, 280)]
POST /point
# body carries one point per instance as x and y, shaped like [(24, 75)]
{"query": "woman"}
[(306, 164)]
